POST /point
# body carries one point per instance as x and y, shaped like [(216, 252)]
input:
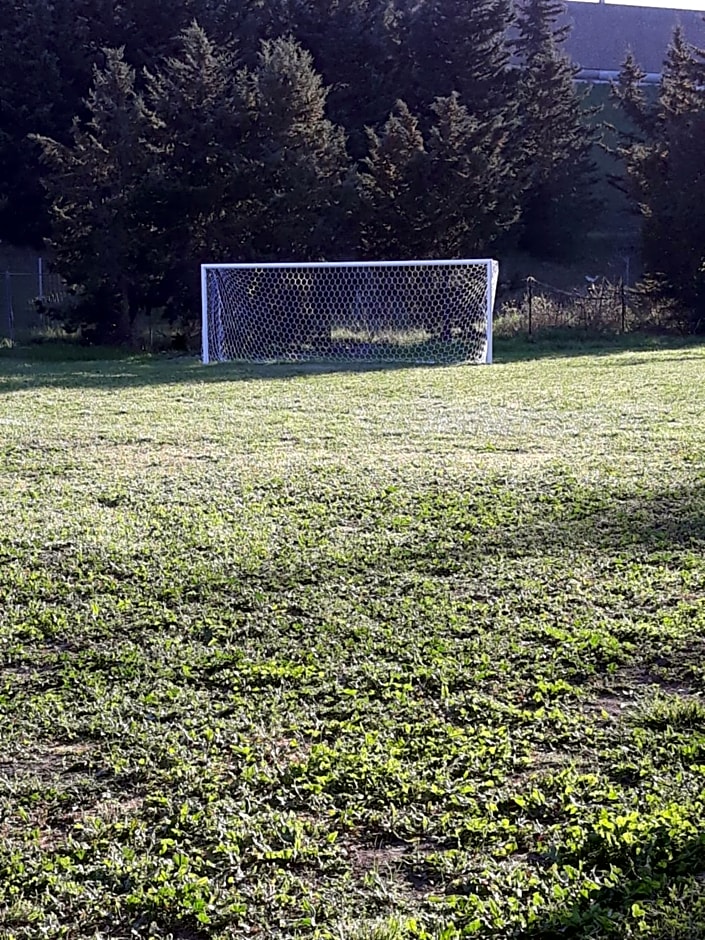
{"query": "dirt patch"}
[(629, 687), (404, 862), (613, 705), (50, 825), (366, 858), (552, 760), (46, 761), (112, 810), (648, 677)]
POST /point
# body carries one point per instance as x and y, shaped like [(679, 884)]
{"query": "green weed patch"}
[(384, 655)]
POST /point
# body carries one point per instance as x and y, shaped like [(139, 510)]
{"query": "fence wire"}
[(602, 306), (25, 299)]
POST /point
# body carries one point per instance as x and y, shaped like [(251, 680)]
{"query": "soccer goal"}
[(378, 311)]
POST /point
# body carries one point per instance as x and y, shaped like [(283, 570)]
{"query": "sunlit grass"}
[(397, 654)]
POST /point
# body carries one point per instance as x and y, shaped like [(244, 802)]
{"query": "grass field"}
[(413, 653)]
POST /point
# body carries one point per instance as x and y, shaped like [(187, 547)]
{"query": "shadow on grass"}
[(662, 887), (62, 365), (119, 373), (557, 514), (655, 521), (564, 344)]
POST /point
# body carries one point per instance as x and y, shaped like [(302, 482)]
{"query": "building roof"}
[(602, 34)]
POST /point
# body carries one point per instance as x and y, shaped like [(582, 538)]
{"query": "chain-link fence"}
[(26, 299)]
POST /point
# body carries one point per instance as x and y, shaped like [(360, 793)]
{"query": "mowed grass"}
[(395, 654)]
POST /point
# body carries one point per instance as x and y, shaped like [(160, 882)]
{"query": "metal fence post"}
[(623, 292), (8, 307), (530, 289)]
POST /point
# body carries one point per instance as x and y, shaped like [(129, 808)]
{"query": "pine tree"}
[(556, 139), (96, 186), (448, 195), (464, 95), (460, 46), (674, 241), (663, 159), (630, 94), (194, 199), (249, 22), (473, 198), (360, 48), (393, 183), (296, 165), (47, 52), (154, 28), (33, 95)]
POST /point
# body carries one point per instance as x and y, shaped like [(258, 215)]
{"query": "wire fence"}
[(32, 298), (26, 299), (602, 306)]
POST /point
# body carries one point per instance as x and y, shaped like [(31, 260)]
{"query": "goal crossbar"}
[(366, 311), (457, 262)]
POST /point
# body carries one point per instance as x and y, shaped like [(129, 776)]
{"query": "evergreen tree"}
[(556, 138), (449, 195), (393, 187), (361, 49), (663, 160), (212, 163), (194, 199), (47, 52), (154, 29), (460, 46), (632, 100), (296, 163), (464, 94), (249, 22), (33, 95), (473, 197), (97, 185)]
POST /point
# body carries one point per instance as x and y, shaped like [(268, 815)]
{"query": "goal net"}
[(381, 311)]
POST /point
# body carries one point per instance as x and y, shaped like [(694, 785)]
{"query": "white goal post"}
[(349, 311)]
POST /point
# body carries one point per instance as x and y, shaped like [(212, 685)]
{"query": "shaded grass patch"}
[(395, 654)]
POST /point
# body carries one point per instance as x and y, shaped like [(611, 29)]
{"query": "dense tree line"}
[(166, 135), (663, 157)]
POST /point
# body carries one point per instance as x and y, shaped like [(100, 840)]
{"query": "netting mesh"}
[(378, 312)]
